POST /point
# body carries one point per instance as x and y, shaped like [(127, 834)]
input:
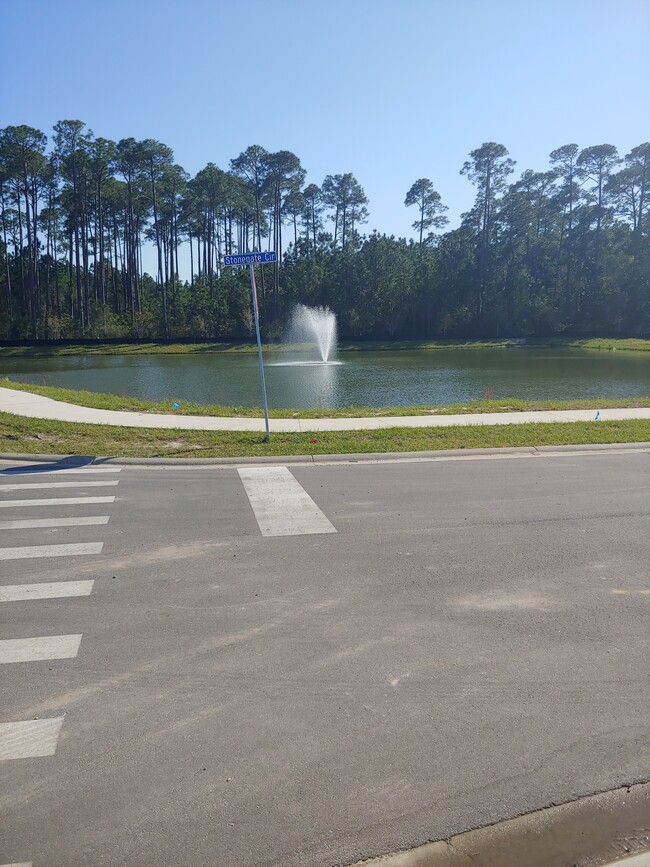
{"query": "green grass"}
[(629, 344), (42, 351), (35, 436), (134, 404), (144, 348), (626, 344)]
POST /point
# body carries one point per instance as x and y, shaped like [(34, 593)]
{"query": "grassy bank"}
[(134, 404), (632, 344), (35, 436)]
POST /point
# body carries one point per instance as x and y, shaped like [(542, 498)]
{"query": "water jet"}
[(315, 326)]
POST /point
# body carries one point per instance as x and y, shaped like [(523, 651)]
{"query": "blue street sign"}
[(250, 259)]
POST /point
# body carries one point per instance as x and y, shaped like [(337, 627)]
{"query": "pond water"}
[(389, 378)]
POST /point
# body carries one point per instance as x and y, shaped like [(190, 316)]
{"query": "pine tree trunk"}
[(30, 259), (7, 268)]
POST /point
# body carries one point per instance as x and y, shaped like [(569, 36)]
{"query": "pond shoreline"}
[(42, 349), (98, 400), (419, 380)]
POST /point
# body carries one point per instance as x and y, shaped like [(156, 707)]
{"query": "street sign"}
[(250, 259)]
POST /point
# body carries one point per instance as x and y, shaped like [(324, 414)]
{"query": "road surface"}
[(316, 664)]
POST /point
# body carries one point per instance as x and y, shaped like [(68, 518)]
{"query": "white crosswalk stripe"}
[(281, 505), (29, 739), (39, 649), (48, 590), (55, 501), (65, 550), (39, 523), (33, 486)]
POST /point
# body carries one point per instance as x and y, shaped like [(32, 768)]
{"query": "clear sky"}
[(390, 90)]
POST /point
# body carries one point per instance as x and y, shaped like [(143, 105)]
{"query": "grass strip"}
[(134, 404), (36, 436), (633, 344)]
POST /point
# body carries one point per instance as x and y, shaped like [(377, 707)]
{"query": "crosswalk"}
[(280, 504), (33, 738), (37, 505)]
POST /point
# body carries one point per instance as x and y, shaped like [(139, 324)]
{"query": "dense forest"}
[(563, 250)]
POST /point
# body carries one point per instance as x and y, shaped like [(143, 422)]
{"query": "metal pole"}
[(259, 351)]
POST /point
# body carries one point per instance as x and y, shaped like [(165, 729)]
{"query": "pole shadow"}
[(67, 463)]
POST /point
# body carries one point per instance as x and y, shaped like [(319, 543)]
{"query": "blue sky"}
[(391, 91)]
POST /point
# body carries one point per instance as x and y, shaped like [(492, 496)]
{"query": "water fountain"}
[(315, 326)]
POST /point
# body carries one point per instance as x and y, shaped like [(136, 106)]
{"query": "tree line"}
[(564, 250)]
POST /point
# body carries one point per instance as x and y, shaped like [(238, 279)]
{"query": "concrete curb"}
[(369, 457), (591, 447), (600, 829)]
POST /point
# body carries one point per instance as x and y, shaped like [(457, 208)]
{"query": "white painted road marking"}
[(56, 501), (33, 486), (69, 550), (15, 864), (37, 523), (281, 505), (29, 738), (38, 649), (50, 590)]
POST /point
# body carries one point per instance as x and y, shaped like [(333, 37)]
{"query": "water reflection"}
[(311, 384), (302, 363)]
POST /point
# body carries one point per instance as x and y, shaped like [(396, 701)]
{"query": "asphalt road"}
[(470, 644)]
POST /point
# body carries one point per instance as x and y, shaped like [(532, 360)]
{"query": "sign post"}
[(253, 259)]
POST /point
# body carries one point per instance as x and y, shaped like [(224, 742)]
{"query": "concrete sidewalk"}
[(24, 403)]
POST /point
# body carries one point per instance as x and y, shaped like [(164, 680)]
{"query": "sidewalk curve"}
[(24, 403)]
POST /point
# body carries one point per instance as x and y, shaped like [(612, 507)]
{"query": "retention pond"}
[(388, 378)]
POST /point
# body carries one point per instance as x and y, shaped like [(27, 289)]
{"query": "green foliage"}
[(560, 251)]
